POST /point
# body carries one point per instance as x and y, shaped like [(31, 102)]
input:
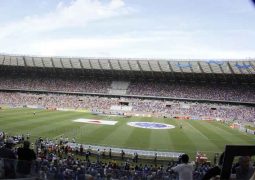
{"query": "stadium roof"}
[(231, 66)]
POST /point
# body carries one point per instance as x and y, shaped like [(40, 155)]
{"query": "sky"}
[(172, 29)]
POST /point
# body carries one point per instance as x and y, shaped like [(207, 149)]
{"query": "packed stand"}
[(54, 159), (241, 93), (195, 110), (154, 107), (56, 84), (227, 92)]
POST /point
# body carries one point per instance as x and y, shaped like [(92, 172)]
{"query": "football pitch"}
[(207, 137)]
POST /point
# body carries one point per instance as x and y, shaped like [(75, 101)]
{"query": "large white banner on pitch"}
[(96, 121)]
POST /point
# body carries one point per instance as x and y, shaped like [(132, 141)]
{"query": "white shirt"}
[(184, 171)]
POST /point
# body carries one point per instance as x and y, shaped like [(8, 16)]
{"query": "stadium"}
[(144, 106), (127, 90)]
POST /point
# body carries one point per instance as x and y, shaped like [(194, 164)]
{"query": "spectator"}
[(122, 154), (184, 169), (103, 154), (215, 159), (87, 155), (51, 164), (135, 157), (9, 156), (245, 170), (81, 150), (215, 171), (155, 158), (25, 157), (110, 153), (2, 137), (98, 155)]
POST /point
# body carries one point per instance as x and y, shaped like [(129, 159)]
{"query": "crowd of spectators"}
[(195, 110), (227, 92), (56, 84), (242, 93), (154, 107), (55, 159), (53, 101)]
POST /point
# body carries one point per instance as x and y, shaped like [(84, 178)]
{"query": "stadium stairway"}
[(119, 87)]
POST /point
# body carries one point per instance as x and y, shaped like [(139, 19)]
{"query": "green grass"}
[(208, 137)]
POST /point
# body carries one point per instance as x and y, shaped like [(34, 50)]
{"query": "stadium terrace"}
[(161, 106), (223, 80)]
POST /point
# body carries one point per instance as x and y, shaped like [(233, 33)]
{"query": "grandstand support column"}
[(203, 72), (71, 63), (150, 69), (33, 60), (91, 67), (82, 67), (110, 64), (2, 57), (101, 67), (193, 73), (171, 68), (182, 73), (161, 71), (43, 63), (140, 68), (213, 73), (223, 73), (61, 62), (232, 71), (252, 66), (25, 63), (200, 67), (52, 62), (17, 59), (122, 70), (132, 71)]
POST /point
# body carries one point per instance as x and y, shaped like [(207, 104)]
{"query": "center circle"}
[(150, 125)]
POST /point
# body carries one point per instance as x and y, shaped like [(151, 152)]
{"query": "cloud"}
[(75, 14), (45, 35), (61, 46), (30, 35), (145, 44)]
